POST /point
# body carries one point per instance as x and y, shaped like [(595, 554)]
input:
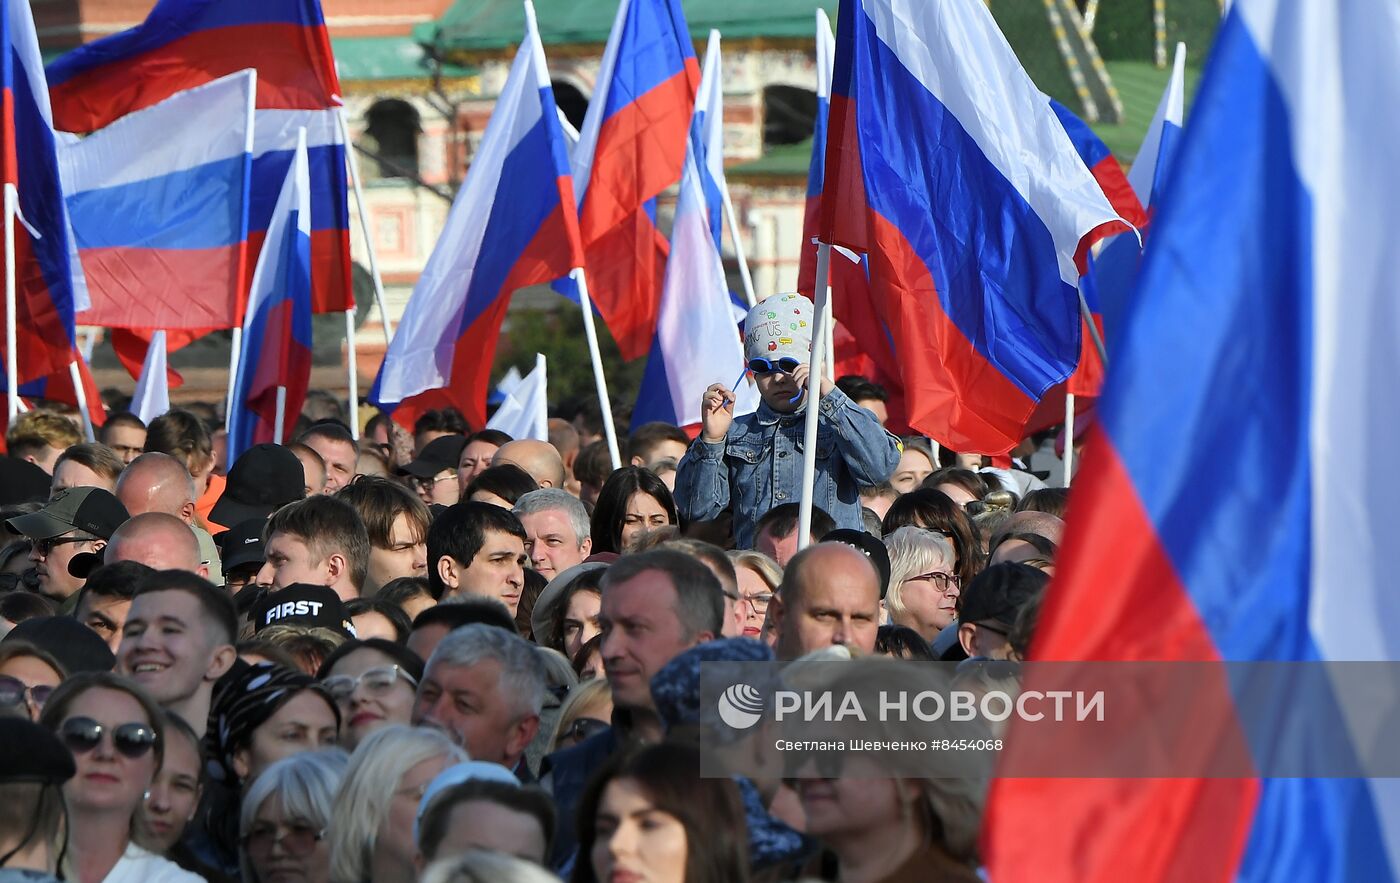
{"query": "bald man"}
[(538, 458), (156, 482), (830, 595), (157, 540)]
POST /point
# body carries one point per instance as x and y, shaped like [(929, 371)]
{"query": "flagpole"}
[(734, 234), (542, 419), (830, 325), (352, 376), (814, 379), (1094, 335), (360, 211), (235, 354), (591, 333), (1069, 437), (11, 306), (280, 420), (81, 395)]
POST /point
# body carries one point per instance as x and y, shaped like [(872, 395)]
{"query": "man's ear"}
[(967, 634), (775, 614), (586, 547), (449, 572), (523, 733), (220, 662), (337, 567), (187, 512), (637, 461)]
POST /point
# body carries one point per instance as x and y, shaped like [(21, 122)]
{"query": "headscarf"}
[(245, 702)]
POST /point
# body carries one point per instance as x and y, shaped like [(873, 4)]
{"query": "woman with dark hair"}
[(962, 486), (374, 681), (378, 618), (633, 501), (28, 676), (649, 816), (184, 436), (174, 795), (267, 712), (500, 486), (574, 620), (116, 733), (932, 510)]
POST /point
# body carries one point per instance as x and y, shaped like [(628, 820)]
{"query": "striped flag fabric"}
[(631, 148), (948, 168), (187, 43), (512, 224), (274, 365), (159, 208), (524, 412), (45, 299), (1260, 344)]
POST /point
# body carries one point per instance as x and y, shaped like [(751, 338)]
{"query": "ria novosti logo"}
[(740, 706)]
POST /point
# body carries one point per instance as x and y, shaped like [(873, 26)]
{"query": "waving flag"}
[(630, 149), (709, 119), (1262, 343), (44, 297), (59, 387), (187, 43), (1088, 376), (696, 343), (152, 396), (511, 225), (1115, 268), (948, 168), (274, 367), (524, 413), (159, 207)]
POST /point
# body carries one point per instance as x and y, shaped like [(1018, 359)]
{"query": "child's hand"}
[(716, 413), (800, 376)]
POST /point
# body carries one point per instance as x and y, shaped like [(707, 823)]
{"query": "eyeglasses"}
[(45, 546), (758, 603), (297, 838), (14, 692), (943, 582), (426, 484), (584, 728), (82, 734), (378, 682), (787, 365)]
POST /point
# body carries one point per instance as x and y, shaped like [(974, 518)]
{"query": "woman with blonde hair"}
[(282, 825), (371, 829), (586, 711), (924, 585), (759, 577)]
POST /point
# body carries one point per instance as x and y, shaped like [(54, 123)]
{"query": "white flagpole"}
[(364, 222), (542, 418), (81, 395), (11, 305), (352, 375), (280, 421), (1069, 437), (830, 324), (591, 333), (734, 234), (814, 378), (235, 354)]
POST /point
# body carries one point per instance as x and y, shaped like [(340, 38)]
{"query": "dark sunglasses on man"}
[(83, 734)]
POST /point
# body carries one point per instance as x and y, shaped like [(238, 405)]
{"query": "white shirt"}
[(140, 866)]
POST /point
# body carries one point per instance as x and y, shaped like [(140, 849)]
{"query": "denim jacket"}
[(759, 465)]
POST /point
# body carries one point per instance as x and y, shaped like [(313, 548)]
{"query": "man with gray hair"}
[(484, 687), (557, 534)]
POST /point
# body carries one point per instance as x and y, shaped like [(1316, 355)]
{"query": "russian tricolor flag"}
[(947, 167), (187, 43), (631, 148), (274, 366), (696, 342), (45, 300), (1218, 516), (512, 224), (159, 206)]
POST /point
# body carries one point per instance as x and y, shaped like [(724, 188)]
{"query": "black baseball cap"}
[(437, 455), (242, 544), (33, 753), (303, 605), (75, 646), (22, 482), (92, 509), (263, 479), (998, 593), (867, 546)]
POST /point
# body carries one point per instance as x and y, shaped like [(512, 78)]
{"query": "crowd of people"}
[(450, 655)]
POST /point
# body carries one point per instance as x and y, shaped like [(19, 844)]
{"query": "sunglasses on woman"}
[(82, 734), (14, 692), (297, 838), (787, 365), (378, 682)]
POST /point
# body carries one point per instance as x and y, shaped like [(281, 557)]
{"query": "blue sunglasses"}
[(787, 365)]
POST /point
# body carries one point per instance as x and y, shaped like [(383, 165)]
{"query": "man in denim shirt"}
[(756, 459)]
